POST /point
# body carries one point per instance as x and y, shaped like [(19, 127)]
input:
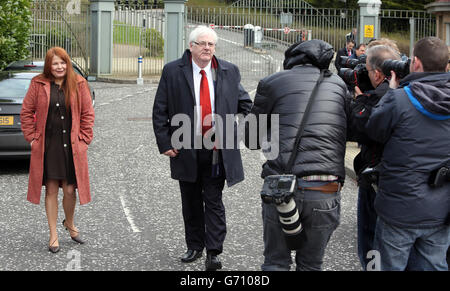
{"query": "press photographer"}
[(301, 192), (412, 200), (371, 151)]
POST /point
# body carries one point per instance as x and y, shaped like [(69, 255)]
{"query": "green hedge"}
[(154, 42), (15, 23)]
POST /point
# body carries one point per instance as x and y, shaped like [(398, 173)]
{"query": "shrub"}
[(154, 42), (15, 24)]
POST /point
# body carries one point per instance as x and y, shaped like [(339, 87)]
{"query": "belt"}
[(329, 188)]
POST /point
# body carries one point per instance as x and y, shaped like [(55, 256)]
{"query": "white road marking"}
[(230, 41), (128, 215), (126, 210)]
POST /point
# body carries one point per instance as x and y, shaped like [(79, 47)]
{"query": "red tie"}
[(205, 102)]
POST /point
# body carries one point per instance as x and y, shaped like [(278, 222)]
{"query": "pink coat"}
[(34, 117)]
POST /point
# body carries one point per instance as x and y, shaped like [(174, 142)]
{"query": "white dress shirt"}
[(197, 80)]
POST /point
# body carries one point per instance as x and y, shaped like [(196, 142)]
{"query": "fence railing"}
[(138, 31), (330, 25), (54, 24)]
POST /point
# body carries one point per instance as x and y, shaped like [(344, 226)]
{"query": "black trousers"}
[(203, 209)]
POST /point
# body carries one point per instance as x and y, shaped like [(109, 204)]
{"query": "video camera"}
[(401, 68), (280, 190)]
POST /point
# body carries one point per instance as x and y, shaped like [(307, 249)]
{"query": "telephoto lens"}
[(401, 68), (280, 190), (290, 223), (347, 62)]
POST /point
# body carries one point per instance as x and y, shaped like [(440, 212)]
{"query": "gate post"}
[(412, 35), (368, 20), (174, 29), (102, 16)]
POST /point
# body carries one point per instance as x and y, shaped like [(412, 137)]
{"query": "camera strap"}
[(323, 74)]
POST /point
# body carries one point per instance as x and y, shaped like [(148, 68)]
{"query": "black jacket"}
[(322, 147), (175, 96), (413, 123), (361, 108)]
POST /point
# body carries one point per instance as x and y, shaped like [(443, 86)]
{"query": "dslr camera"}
[(355, 73), (347, 62), (280, 190), (401, 68)]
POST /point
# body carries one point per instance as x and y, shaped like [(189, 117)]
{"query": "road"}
[(134, 221)]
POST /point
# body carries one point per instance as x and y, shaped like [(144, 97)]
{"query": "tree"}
[(15, 24)]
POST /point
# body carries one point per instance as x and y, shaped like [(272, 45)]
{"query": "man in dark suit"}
[(205, 90), (346, 51)]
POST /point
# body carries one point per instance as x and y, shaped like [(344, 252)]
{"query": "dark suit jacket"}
[(340, 53), (176, 95)]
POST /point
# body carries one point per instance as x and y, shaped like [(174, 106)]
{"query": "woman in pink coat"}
[(57, 119)]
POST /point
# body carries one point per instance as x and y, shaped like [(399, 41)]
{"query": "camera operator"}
[(371, 151), (412, 202), (317, 160)]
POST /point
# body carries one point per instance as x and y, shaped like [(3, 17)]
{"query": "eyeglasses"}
[(204, 43)]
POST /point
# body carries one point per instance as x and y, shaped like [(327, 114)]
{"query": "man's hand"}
[(171, 153), (357, 91), (393, 82)]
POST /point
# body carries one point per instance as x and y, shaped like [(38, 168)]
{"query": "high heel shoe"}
[(53, 249), (75, 238)]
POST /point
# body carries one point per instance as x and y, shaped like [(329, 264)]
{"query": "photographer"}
[(371, 150), (317, 156), (412, 202)]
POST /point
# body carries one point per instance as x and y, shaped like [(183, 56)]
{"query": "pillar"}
[(369, 11), (174, 33), (102, 16)]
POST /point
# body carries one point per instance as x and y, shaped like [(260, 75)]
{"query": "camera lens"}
[(349, 76), (401, 68), (290, 223), (347, 62)]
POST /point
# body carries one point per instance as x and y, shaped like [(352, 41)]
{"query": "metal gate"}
[(138, 31), (276, 24), (61, 23), (413, 23)]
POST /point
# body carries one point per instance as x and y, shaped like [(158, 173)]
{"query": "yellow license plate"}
[(6, 120)]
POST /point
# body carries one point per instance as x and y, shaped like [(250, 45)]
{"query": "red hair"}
[(69, 84)]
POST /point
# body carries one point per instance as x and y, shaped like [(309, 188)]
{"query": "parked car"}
[(14, 82)]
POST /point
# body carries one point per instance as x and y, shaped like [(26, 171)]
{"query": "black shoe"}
[(74, 238), (53, 249), (212, 263), (191, 255)]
